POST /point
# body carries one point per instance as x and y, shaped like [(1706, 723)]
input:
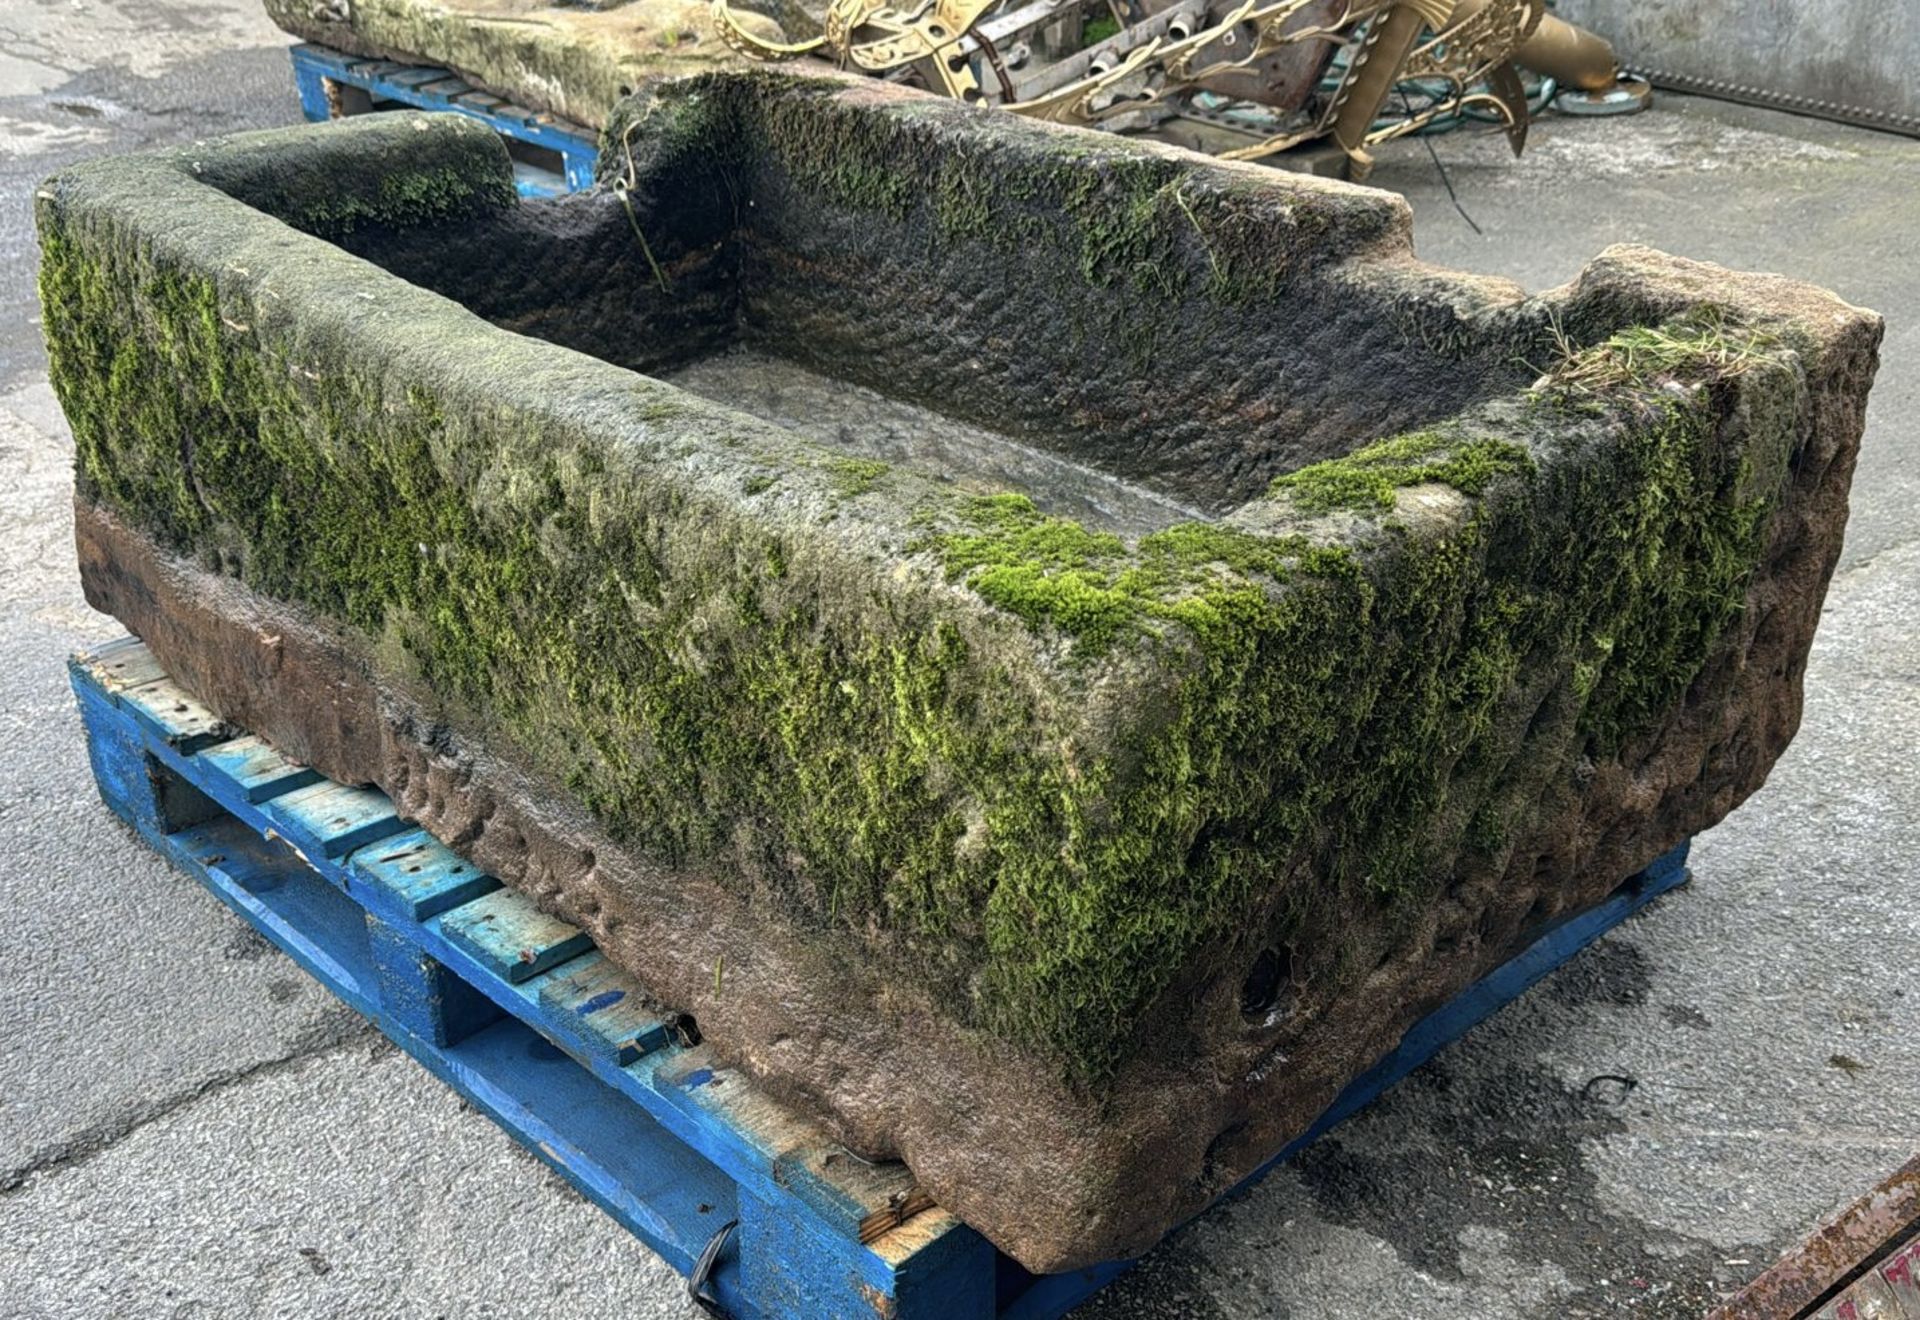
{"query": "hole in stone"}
[(685, 1030), (1269, 980)]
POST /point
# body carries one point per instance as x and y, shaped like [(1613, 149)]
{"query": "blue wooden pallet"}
[(521, 1015), (550, 155)]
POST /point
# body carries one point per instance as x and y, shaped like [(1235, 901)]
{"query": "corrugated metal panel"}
[(1857, 60)]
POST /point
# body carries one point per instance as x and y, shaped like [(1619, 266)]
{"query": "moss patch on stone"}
[(857, 476), (1132, 220), (1370, 478), (1090, 586)]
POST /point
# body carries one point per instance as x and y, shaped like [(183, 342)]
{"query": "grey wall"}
[(1863, 53)]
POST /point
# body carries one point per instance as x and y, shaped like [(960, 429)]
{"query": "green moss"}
[(400, 197), (1370, 478), (1091, 587), (1139, 222), (856, 476)]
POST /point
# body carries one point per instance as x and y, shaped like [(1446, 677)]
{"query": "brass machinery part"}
[(1571, 56), (1373, 70), (1466, 48), (1283, 80)]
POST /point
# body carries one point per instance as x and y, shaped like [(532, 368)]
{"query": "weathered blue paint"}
[(517, 1012), (412, 876), (606, 1013), (423, 88), (593, 1094), (330, 820), (510, 937), (259, 771)]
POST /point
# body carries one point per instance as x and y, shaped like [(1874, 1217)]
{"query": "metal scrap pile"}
[(1244, 79)]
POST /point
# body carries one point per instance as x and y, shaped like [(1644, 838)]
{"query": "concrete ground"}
[(190, 1127)]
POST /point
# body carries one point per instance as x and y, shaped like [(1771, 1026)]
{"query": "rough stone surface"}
[(1361, 727)]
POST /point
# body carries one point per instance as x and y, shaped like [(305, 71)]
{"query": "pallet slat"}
[(414, 876), (609, 1011), (331, 820), (124, 664), (511, 937), (260, 772), (165, 709), (319, 74), (414, 77)]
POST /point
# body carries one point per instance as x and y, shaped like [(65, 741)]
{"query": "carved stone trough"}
[(1054, 651)]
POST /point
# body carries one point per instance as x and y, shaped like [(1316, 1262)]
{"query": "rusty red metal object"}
[(1861, 1264)]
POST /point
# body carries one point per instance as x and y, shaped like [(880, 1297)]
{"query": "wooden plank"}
[(123, 664), (478, 100), (420, 994), (603, 1010), (413, 77), (257, 770), (320, 56), (505, 933), (415, 876), (796, 1152), (447, 87), (164, 709), (329, 820)]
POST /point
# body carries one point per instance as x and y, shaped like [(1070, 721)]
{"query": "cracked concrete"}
[(193, 1214), (329, 1033), (189, 1126)]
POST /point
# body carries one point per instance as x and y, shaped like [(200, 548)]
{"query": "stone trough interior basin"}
[(1055, 651)]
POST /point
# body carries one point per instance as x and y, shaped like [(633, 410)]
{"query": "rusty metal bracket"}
[(1841, 1250)]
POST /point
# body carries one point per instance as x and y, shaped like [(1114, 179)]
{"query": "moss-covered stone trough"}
[(1167, 641)]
